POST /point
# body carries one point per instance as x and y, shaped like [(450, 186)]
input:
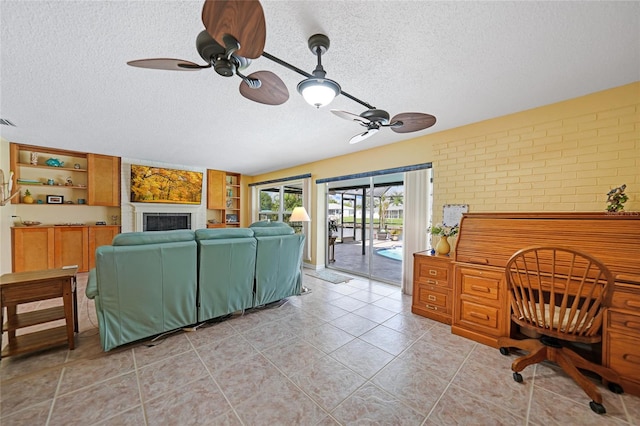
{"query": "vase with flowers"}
[(444, 232)]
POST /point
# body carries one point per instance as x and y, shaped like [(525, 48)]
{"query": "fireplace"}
[(165, 221)]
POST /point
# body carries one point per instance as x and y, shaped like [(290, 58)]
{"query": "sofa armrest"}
[(92, 285)]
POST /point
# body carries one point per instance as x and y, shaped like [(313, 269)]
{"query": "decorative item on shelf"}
[(39, 202), (69, 202), (49, 181), (34, 158), (76, 166), (232, 218), (30, 223), (5, 189), (54, 162), (81, 201), (101, 223), (114, 219), (27, 199), (443, 247), (69, 181), (55, 199), (229, 203), (229, 192), (616, 199)]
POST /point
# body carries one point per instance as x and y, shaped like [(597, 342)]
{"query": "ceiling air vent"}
[(6, 122)]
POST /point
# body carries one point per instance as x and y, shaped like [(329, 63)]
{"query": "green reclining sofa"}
[(144, 284), (148, 283)]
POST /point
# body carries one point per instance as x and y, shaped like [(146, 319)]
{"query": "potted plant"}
[(27, 199), (443, 232)]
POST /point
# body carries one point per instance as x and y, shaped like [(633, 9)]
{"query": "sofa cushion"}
[(268, 224), (152, 237), (270, 232), (220, 233)]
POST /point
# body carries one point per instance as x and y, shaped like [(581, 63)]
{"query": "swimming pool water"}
[(394, 253)]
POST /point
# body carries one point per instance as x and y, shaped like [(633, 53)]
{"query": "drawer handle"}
[(633, 304), (432, 298), (433, 272), (432, 282), (635, 359), (479, 316), (480, 288), (634, 325), (433, 308)]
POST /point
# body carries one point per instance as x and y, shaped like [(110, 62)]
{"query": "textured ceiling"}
[(65, 82)]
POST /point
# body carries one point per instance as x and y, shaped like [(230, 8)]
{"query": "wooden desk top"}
[(36, 276)]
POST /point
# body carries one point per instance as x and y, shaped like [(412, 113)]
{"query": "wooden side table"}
[(24, 287)]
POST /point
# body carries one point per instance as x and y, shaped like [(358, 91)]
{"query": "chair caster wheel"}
[(517, 377), (504, 351), (615, 388), (597, 408)]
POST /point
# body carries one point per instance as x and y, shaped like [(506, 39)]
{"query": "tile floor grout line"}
[(224, 395), (136, 371), (55, 394)]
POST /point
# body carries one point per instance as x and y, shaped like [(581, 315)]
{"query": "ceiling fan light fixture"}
[(318, 92)]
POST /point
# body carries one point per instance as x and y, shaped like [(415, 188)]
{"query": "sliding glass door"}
[(365, 226)]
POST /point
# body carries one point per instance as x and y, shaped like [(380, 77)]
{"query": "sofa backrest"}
[(146, 285), (152, 237), (278, 262), (226, 268)]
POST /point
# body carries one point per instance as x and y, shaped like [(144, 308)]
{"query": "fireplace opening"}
[(165, 221)]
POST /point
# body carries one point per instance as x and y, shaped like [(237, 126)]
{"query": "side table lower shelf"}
[(35, 341), (32, 286)]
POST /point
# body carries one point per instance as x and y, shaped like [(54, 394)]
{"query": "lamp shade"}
[(318, 92), (299, 214)]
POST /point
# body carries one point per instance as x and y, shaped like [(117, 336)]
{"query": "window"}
[(277, 203)]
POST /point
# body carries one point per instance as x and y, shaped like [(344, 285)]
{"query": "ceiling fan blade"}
[(350, 116), (242, 19), (412, 122), (272, 90), (167, 64), (362, 136)]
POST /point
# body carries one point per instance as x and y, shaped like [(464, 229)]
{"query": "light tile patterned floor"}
[(345, 354)]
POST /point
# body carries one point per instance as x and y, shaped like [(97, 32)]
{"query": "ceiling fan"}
[(235, 33)]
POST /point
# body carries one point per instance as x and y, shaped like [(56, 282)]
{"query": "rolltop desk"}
[(481, 309)]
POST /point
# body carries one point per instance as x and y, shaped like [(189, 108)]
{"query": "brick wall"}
[(564, 157)]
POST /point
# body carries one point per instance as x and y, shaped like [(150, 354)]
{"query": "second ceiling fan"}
[(235, 33)]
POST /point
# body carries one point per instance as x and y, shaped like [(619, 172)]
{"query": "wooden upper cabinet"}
[(216, 189), (103, 180)]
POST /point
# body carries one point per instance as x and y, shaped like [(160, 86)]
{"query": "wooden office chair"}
[(560, 294)]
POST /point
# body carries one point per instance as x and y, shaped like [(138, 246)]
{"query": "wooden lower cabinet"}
[(33, 248), (47, 247), (621, 335), (481, 310), (432, 290), (100, 236)]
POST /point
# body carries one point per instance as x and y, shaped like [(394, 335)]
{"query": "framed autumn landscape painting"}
[(151, 184)]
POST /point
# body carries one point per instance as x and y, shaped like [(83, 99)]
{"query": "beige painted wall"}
[(560, 157)]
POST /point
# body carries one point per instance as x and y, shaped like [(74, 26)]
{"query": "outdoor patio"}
[(348, 256)]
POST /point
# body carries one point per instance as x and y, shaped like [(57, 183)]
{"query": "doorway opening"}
[(366, 223)]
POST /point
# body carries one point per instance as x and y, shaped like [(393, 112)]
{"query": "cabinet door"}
[(100, 236), (71, 247), (33, 249), (103, 180), (216, 188)]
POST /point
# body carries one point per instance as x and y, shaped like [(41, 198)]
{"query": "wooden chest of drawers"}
[(621, 336), (479, 306), (432, 290)]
